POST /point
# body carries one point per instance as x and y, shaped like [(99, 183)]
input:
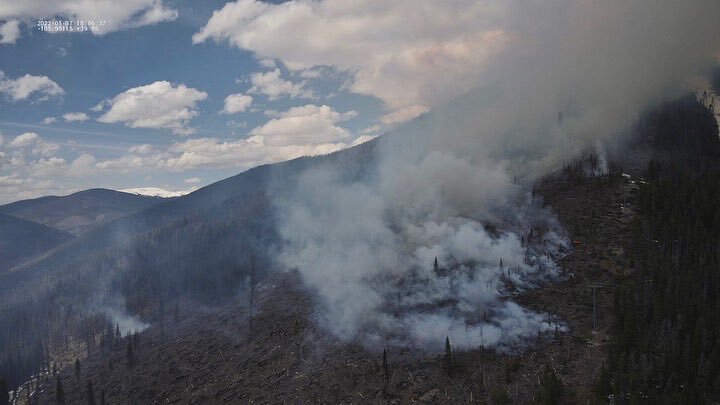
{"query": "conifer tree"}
[(4, 397), (448, 357), (129, 353), (90, 394), (386, 370), (59, 393)]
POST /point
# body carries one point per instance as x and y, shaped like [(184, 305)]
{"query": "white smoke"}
[(455, 183), (112, 306)]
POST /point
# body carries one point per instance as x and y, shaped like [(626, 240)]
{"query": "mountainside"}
[(281, 353), (20, 239), (196, 268), (79, 212), (197, 246)]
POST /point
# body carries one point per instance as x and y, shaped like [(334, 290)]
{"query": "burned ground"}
[(220, 355)]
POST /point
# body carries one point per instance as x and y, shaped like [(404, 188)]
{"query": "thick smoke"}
[(456, 183)]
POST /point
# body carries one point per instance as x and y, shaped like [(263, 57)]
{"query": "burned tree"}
[(129, 353), (448, 359), (59, 393), (90, 393)]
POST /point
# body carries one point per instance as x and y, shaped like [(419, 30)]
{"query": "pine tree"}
[(386, 370), (90, 394), (59, 393), (102, 397), (4, 397), (252, 282), (551, 387), (129, 353), (436, 268), (448, 357), (77, 369)]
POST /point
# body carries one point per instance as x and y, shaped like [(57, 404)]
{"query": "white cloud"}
[(99, 106), (410, 55), (300, 131), (272, 85), (236, 103), (143, 149), (193, 180), (27, 85), (26, 139), (33, 143), (83, 165), (307, 125), (31, 167), (9, 32), (75, 116), (116, 15), (236, 124), (156, 105), (49, 120)]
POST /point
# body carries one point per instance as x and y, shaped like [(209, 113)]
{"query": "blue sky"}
[(90, 68)]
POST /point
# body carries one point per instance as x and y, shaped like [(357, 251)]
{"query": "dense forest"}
[(666, 346)]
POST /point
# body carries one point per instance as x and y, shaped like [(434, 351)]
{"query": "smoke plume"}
[(455, 184)]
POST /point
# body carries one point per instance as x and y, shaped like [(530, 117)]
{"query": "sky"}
[(177, 94), (147, 93)]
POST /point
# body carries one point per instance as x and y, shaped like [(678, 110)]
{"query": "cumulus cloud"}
[(30, 167), (236, 103), (117, 15), (157, 105), (49, 120), (412, 56), (308, 125), (272, 85), (75, 117), (300, 131), (83, 165), (29, 85), (34, 144), (9, 31)]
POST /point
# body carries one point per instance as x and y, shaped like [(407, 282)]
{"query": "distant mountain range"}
[(20, 238), (79, 212)]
